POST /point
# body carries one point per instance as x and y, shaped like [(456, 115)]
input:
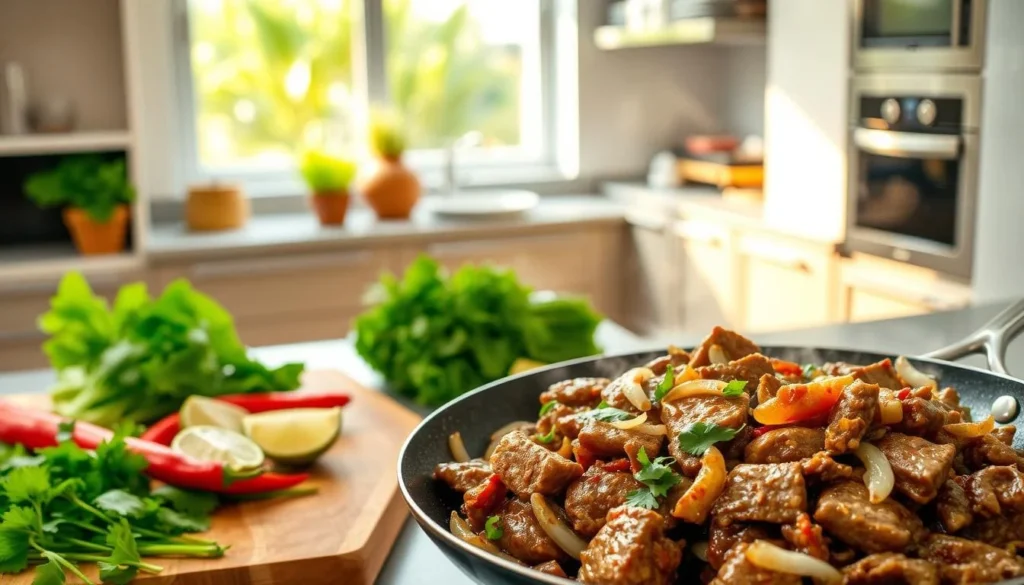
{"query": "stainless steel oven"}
[(913, 171), (919, 34)]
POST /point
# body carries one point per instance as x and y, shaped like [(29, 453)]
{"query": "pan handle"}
[(991, 339)]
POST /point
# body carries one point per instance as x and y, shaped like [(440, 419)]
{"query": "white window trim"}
[(167, 143)]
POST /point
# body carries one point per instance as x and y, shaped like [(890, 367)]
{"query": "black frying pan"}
[(479, 413)]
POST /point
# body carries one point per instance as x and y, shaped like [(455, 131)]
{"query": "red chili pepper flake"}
[(616, 466), (787, 368), (904, 394), (762, 430)]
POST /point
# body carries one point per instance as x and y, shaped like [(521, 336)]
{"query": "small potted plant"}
[(391, 189), (94, 193), (328, 178)]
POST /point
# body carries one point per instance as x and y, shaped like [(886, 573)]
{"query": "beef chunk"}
[(995, 490), (952, 507), (563, 419), (631, 549), (576, 392), (721, 539), (737, 570), (850, 417), (522, 536), (822, 466), (882, 373), (526, 467), (720, 410), (806, 537), (987, 450), (965, 561), (920, 466), (922, 417), (462, 477), (1004, 434), (767, 387), (772, 492), (551, 568), (589, 499), (604, 440), (676, 357), (785, 445), (748, 369), (733, 344), (999, 531), (614, 396), (848, 515), (890, 569)]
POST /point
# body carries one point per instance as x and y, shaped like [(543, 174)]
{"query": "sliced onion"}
[(461, 529), (717, 355), (556, 528), (768, 556), (636, 396), (879, 477), (971, 430), (688, 374), (913, 376), (700, 550), (631, 423), (458, 448), (890, 411), (695, 388), (566, 449), (516, 424), (649, 429), (696, 501)]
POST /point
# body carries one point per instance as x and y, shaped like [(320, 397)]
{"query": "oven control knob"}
[(926, 112), (891, 111)]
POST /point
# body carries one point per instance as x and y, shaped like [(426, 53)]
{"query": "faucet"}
[(468, 140)]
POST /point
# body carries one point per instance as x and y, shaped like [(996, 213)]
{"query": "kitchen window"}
[(262, 80)]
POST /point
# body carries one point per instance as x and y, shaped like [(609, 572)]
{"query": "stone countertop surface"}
[(414, 559)]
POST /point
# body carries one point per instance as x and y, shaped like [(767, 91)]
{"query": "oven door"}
[(911, 197), (919, 34)]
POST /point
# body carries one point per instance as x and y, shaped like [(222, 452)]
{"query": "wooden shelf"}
[(691, 31), (36, 144)]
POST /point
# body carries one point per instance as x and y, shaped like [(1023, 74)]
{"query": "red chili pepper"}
[(616, 466), (164, 431), (787, 368), (267, 401), (904, 394), (758, 431), (36, 429), (492, 494), (583, 456)]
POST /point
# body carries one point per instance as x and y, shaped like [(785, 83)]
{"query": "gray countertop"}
[(414, 559)]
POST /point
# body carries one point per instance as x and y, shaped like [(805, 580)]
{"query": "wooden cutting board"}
[(342, 534)]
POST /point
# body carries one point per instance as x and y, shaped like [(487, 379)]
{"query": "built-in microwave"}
[(919, 34), (913, 172)]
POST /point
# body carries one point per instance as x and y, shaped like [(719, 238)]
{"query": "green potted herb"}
[(94, 194), (328, 178), (392, 190)]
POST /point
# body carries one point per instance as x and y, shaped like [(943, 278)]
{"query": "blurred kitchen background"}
[(682, 163)]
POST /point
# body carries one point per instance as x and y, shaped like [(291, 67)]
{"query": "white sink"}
[(483, 202)]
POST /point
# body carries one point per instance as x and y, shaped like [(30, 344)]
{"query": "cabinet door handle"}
[(229, 268), (709, 237)]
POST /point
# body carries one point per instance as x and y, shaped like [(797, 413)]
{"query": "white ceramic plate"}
[(484, 203)]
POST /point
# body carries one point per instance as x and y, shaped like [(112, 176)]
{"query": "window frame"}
[(557, 158)]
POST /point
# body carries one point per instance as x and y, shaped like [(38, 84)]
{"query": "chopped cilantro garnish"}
[(548, 437), (642, 498), (605, 414), (698, 437), (657, 477), (809, 370), (666, 384), (603, 404), (734, 388), (493, 528), (548, 407)]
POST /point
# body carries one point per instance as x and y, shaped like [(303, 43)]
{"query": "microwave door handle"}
[(954, 31), (907, 144)]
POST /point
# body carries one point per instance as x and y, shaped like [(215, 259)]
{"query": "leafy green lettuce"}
[(139, 360)]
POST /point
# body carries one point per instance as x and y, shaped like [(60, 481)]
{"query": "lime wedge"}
[(296, 436), (203, 411), (209, 443)]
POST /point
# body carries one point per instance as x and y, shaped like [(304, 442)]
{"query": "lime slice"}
[(200, 410), (208, 443), (296, 436)]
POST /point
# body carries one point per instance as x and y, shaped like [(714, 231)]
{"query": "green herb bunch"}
[(64, 505), (326, 174), (434, 337), (86, 182), (139, 360)]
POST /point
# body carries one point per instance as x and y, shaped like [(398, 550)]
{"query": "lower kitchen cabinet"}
[(707, 292), (874, 288), (650, 277)]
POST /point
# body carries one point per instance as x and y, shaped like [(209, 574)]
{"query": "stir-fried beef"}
[(999, 531), (784, 445), (890, 569), (733, 344), (920, 466), (576, 392), (850, 417), (823, 467), (463, 477), (604, 440), (922, 417), (767, 387), (589, 499), (995, 490), (952, 507), (848, 515), (737, 570), (613, 394), (771, 492), (718, 410), (483, 500), (806, 537), (1004, 434), (987, 450), (551, 568), (965, 561), (527, 468), (749, 369), (881, 373), (676, 357), (631, 549), (721, 538), (564, 420), (522, 536)]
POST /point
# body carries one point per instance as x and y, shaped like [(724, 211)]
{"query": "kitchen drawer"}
[(873, 289), (707, 291), (254, 287)]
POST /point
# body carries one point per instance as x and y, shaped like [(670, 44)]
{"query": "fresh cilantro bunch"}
[(434, 336), (64, 505), (657, 477), (139, 360)]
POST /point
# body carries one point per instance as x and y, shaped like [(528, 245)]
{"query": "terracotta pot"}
[(330, 207), (392, 190), (93, 237)]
